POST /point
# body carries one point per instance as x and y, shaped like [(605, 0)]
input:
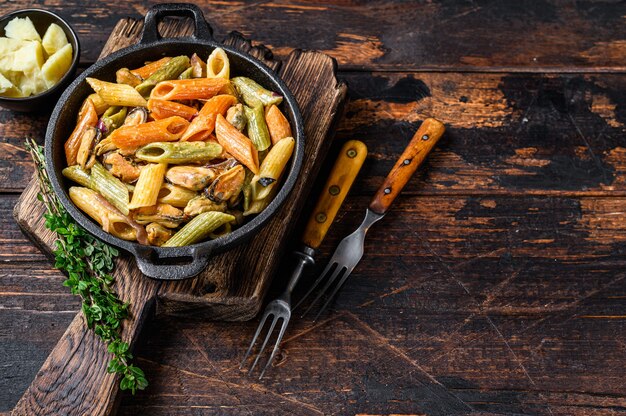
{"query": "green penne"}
[(186, 74), (198, 228), (179, 152), (170, 70), (257, 128), (113, 118), (111, 188), (78, 175), (252, 93)]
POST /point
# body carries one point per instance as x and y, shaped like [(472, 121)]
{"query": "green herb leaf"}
[(88, 264)]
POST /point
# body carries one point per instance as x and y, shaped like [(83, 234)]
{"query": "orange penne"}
[(167, 130), (235, 143), (149, 69), (87, 117), (188, 89), (277, 124), (160, 109), (203, 125)]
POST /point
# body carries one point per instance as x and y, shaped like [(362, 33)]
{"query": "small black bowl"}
[(44, 101)]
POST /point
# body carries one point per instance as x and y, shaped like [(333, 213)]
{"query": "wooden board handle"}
[(74, 379), (416, 151), (342, 175)]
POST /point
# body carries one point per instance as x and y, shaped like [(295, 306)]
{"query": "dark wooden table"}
[(496, 285)]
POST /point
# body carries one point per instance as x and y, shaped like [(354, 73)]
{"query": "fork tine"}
[(317, 282), (332, 295), (256, 335), (267, 338), (280, 337), (330, 281)]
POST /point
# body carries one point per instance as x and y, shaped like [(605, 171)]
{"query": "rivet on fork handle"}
[(416, 151)]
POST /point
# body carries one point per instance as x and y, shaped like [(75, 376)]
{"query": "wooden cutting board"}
[(73, 380)]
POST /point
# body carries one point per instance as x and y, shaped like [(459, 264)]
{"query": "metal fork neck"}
[(304, 258), (370, 218)]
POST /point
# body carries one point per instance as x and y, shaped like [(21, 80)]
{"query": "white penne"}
[(175, 195), (148, 185), (272, 168), (111, 188), (198, 228), (105, 214), (117, 94), (98, 103), (218, 65)]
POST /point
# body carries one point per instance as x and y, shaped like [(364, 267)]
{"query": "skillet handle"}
[(157, 12), (171, 268)]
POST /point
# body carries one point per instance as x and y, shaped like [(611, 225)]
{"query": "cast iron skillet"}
[(156, 262)]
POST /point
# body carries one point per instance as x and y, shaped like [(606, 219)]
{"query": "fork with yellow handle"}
[(342, 175)]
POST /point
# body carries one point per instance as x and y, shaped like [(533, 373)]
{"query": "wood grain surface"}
[(74, 380), (495, 283)]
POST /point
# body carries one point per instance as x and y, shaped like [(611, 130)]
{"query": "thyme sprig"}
[(88, 263)]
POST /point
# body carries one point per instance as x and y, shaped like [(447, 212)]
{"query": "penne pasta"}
[(257, 129), (235, 143), (252, 93), (149, 69), (110, 187), (148, 186), (198, 228), (167, 130), (204, 124), (111, 220), (87, 117), (257, 206), (117, 94), (218, 65), (77, 174), (175, 195), (112, 119), (272, 168), (178, 153), (277, 124), (124, 76), (198, 67), (98, 103), (188, 89), (186, 74), (171, 70), (221, 231), (169, 152), (160, 109)]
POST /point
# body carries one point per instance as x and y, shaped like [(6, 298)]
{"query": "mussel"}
[(237, 117), (163, 214), (202, 204), (195, 178), (158, 234), (121, 167), (86, 155), (136, 116), (227, 185)]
